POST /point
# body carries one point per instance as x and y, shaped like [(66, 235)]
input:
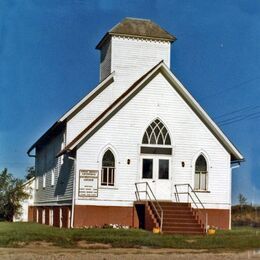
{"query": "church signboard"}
[(88, 183)]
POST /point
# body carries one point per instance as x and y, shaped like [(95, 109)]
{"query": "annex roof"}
[(60, 124), (133, 90), (136, 27), (28, 181)]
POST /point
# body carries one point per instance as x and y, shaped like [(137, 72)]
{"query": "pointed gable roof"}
[(133, 90), (136, 27)]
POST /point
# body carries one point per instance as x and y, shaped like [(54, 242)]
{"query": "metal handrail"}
[(147, 187), (194, 202)]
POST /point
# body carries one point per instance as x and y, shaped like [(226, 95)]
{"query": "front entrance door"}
[(155, 170)]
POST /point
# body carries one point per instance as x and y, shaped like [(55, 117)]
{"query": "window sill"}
[(108, 188), (202, 191)]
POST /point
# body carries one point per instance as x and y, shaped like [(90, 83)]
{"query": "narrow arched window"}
[(201, 173), (108, 169)]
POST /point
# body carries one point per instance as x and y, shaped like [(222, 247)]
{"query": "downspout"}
[(31, 155), (73, 193), (231, 168), (35, 178)]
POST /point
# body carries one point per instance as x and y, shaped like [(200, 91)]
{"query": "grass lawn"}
[(13, 234)]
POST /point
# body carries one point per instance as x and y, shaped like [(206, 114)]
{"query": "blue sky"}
[(48, 62)]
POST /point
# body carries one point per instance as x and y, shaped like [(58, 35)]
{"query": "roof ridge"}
[(140, 19)]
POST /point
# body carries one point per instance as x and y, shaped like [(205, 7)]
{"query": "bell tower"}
[(131, 48)]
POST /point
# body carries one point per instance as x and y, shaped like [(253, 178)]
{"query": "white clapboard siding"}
[(89, 113), (124, 131), (46, 161), (28, 187), (105, 61), (131, 58)]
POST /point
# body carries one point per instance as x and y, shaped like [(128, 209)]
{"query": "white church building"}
[(138, 150)]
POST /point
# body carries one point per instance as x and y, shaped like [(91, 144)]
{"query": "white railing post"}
[(161, 221), (146, 190)]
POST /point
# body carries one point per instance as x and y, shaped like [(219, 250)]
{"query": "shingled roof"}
[(136, 27)]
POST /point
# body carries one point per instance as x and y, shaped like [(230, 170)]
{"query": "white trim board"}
[(134, 89)]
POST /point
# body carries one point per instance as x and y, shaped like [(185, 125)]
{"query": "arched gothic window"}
[(156, 151), (201, 173), (108, 169), (156, 134)]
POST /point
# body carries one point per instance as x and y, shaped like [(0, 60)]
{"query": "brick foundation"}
[(32, 216), (31, 213), (40, 215), (218, 218), (46, 215), (149, 221), (56, 216), (100, 215)]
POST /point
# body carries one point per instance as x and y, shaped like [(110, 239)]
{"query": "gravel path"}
[(53, 253)]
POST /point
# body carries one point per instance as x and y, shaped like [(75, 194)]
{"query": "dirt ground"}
[(49, 252)]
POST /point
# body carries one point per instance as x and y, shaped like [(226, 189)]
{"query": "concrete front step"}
[(183, 233), (182, 211), (182, 226), (177, 210), (176, 215), (177, 204), (173, 206), (188, 228), (179, 218), (179, 221)]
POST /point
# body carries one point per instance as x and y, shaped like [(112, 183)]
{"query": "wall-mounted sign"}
[(88, 183)]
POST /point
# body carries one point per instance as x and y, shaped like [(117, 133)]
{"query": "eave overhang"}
[(141, 82)]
